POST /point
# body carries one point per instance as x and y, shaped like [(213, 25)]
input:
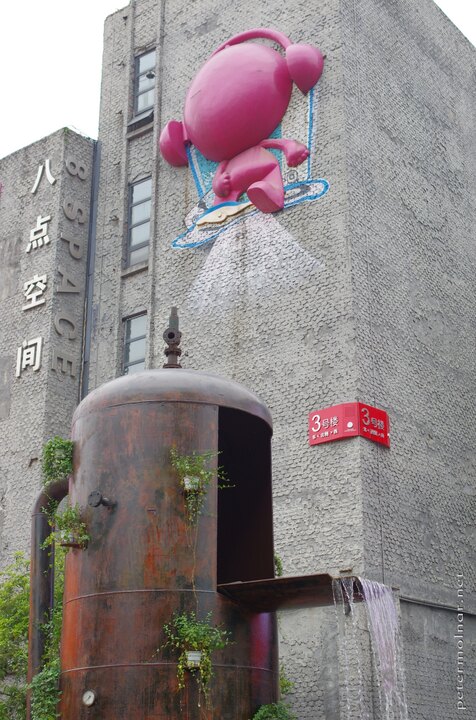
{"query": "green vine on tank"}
[(186, 633), (195, 477), (67, 528), (56, 460)]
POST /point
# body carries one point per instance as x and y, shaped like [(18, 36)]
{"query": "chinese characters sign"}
[(49, 175), (39, 234), (33, 290), (349, 420), (29, 355), (38, 284)]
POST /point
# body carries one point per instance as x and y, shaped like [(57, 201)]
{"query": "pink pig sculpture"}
[(233, 105)]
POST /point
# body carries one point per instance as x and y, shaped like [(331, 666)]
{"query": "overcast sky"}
[(50, 55)]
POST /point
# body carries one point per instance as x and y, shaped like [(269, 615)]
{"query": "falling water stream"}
[(387, 657)]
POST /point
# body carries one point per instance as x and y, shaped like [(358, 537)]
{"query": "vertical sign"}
[(71, 245)]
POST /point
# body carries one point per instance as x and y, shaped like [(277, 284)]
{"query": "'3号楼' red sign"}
[(348, 420)]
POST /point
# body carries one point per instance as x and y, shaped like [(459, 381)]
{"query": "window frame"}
[(127, 342), (131, 226), (137, 76)]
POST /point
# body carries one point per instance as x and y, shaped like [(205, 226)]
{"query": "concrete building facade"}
[(365, 294), (45, 212)]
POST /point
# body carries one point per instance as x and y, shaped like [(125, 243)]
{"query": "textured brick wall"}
[(410, 146), (410, 116), (431, 663)]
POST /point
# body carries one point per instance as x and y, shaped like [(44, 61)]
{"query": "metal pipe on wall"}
[(41, 577)]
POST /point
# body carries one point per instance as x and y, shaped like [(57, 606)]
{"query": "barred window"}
[(135, 334), (139, 222)]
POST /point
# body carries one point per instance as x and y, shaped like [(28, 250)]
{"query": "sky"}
[(51, 53)]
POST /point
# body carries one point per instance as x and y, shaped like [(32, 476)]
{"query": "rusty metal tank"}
[(139, 568)]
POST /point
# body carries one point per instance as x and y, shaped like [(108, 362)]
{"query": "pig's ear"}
[(305, 65), (172, 144)]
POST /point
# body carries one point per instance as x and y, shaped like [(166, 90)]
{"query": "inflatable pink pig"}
[(233, 105)]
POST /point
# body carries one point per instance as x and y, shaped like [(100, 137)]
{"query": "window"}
[(139, 222), (144, 85), (135, 331)]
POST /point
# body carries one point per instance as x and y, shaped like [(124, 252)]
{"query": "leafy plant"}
[(57, 459), (14, 614), (14, 611), (12, 701), (44, 692), (285, 684), (67, 528), (274, 711), (195, 477), (279, 710), (185, 632), (278, 565)]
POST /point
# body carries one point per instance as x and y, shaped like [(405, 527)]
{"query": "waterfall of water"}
[(382, 621)]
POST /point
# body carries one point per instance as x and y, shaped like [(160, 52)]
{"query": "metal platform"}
[(284, 593)]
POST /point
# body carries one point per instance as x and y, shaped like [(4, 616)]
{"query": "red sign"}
[(348, 420)]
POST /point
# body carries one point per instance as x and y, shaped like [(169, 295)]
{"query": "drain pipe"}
[(91, 261), (41, 577)]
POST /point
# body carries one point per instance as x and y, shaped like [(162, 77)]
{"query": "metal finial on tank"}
[(172, 337)]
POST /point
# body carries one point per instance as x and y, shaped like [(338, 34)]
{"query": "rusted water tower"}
[(139, 568)]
